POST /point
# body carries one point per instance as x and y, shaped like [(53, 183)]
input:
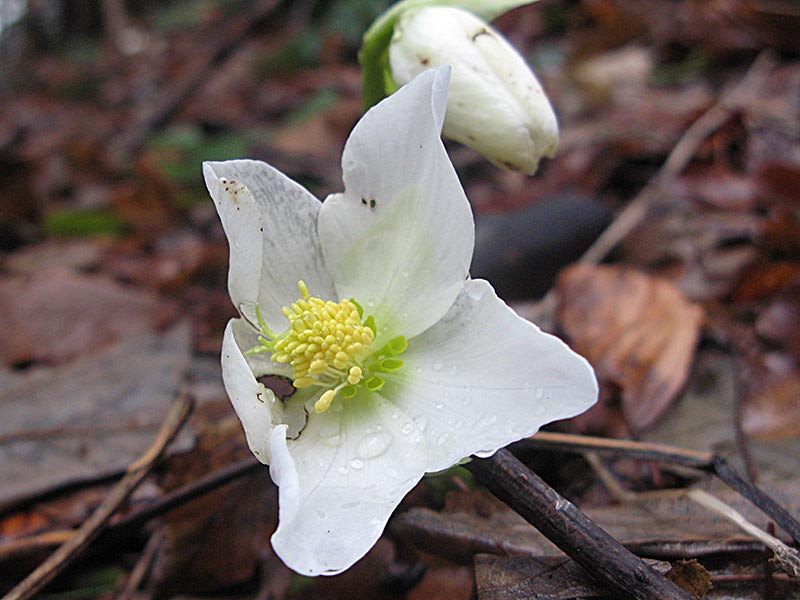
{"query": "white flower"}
[(451, 371), (496, 105)]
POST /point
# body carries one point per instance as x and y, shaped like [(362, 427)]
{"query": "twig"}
[(703, 461), (571, 530), (136, 518), (93, 526), (142, 567), (787, 558), (680, 156), (199, 487)]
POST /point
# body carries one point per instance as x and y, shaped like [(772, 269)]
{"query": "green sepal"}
[(374, 383)]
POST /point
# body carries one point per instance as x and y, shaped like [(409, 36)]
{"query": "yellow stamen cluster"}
[(325, 343)]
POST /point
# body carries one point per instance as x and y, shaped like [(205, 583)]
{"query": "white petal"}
[(256, 406), (353, 467), (399, 239), (483, 377), (271, 224)]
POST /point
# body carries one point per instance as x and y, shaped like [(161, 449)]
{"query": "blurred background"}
[(681, 116)]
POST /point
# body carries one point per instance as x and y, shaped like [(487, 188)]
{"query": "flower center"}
[(328, 345)]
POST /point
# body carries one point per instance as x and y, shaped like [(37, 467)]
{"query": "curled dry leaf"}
[(638, 331)]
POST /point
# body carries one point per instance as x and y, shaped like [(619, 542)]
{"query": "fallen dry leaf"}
[(638, 331), (91, 417), (692, 577), (57, 314), (550, 577)]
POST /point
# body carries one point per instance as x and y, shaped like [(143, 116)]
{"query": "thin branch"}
[(567, 527), (130, 523), (704, 461), (142, 567), (787, 558), (93, 526)]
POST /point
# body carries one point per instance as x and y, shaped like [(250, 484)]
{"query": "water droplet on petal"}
[(320, 515), (342, 470), (453, 371), (439, 406), (357, 464), (437, 366), (407, 429), (373, 445), (539, 393), (442, 440)]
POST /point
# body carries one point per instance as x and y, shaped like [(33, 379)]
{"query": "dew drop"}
[(458, 424), (407, 429), (453, 371), (437, 366), (320, 515), (373, 445), (539, 393), (439, 406), (442, 440), (357, 464), (342, 470), (418, 370)]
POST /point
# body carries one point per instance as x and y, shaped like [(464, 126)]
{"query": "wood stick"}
[(603, 557), (704, 461), (94, 525)]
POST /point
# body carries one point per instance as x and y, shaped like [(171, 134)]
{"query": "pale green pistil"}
[(328, 345)]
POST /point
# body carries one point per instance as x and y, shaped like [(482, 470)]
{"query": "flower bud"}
[(495, 105)]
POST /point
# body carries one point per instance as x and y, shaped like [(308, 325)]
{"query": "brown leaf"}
[(550, 577), (774, 412), (91, 417), (56, 315), (691, 576), (638, 331)]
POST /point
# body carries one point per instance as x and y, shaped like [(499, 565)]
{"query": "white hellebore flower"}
[(496, 105), (403, 364)]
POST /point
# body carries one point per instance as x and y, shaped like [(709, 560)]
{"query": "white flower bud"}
[(496, 105)]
